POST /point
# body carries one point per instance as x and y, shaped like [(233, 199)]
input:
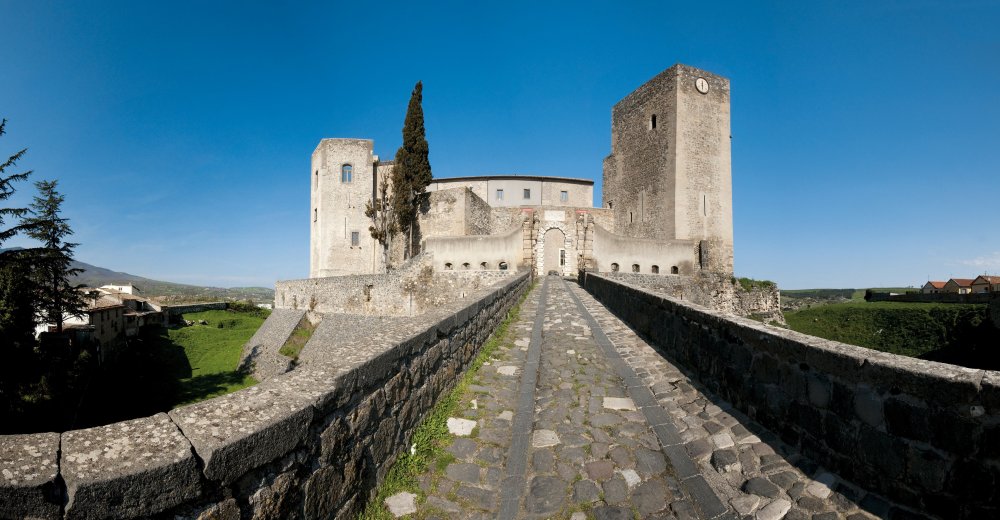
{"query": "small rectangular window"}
[(564, 196), (499, 194), (562, 257), (527, 193), (355, 238)]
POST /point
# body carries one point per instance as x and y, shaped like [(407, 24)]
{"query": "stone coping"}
[(912, 375), (145, 466), (922, 433)]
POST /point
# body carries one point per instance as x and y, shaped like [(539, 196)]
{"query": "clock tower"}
[(669, 176)]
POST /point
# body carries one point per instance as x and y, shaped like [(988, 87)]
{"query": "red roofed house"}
[(985, 284), (958, 286), (933, 287)]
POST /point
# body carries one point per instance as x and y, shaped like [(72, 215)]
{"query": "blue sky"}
[(865, 134)]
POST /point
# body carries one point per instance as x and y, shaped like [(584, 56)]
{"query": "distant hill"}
[(94, 276)]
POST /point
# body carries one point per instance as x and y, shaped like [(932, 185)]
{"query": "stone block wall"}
[(312, 443), (922, 433), (177, 310)]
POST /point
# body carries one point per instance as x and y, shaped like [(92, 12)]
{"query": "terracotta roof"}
[(937, 285), (961, 282), (988, 279), (104, 301)]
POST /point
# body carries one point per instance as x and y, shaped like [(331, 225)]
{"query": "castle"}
[(667, 199)]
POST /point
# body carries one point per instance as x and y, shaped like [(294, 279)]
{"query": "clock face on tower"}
[(701, 85)]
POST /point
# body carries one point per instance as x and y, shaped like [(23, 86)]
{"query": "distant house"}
[(958, 286), (933, 287), (119, 289), (985, 284)]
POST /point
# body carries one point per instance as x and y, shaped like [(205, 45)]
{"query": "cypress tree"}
[(412, 170)]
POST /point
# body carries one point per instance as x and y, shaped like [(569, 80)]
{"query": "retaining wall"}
[(922, 433), (177, 310), (931, 297), (311, 443)]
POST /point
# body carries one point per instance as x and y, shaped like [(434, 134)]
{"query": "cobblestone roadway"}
[(593, 454)]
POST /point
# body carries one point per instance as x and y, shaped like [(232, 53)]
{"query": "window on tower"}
[(499, 194), (527, 193), (563, 196), (355, 238), (346, 173)]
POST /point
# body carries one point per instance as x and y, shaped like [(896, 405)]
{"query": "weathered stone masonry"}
[(311, 443), (925, 434)]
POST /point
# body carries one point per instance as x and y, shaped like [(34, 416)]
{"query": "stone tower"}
[(343, 179), (669, 175)]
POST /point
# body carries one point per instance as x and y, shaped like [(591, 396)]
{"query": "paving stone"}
[(723, 440), (545, 495), (599, 450), (650, 497), (579, 515), (463, 472), (543, 461), (775, 510), (761, 486), (402, 504), (829, 515), (615, 490), (481, 498), (699, 449), (544, 438), (745, 504), (785, 479), (585, 491), (621, 456), (822, 485), (612, 513), (606, 419), (506, 415), (618, 403), (810, 503), (725, 461), (462, 448), (442, 504), (460, 427), (632, 479)]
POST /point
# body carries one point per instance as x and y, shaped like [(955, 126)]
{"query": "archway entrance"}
[(554, 255)]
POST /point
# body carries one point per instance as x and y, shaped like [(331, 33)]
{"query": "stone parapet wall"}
[(712, 290), (311, 443), (925, 434)]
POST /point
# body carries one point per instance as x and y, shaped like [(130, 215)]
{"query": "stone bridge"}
[(609, 401)]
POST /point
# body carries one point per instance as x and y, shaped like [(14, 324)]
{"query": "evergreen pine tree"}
[(412, 172), (57, 297), (17, 324), (7, 189)]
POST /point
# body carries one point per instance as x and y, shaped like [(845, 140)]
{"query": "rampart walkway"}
[(577, 417)]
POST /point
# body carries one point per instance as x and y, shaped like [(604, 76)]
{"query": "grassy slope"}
[(171, 367), (911, 329), (213, 353)]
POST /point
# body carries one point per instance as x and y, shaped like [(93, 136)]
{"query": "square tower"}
[(343, 180), (669, 175)]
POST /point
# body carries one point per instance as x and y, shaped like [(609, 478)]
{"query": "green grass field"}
[(911, 329), (212, 352), (171, 367)]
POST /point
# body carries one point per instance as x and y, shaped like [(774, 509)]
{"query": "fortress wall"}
[(476, 249), (712, 290), (610, 248), (312, 443), (925, 434)]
